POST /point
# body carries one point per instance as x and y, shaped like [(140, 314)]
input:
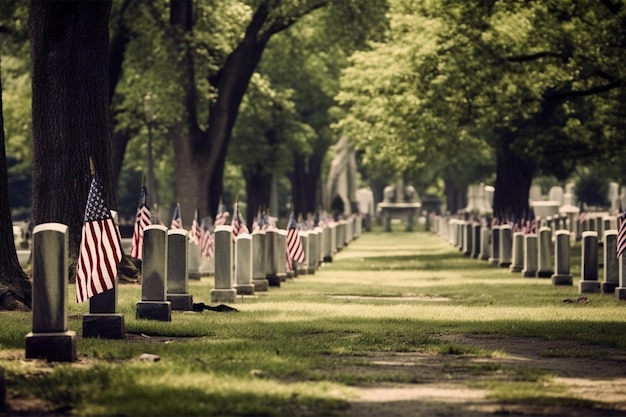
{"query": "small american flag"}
[(100, 248), (196, 229), (294, 242), (238, 226), (621, 233), (177, 223), (142, 220), (207, 242), (222, 215)]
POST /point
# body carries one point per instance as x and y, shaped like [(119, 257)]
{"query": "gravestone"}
[(50, 338), (313, 257), (271, 257), (154, 304), (531, 252), (485, 251), (301, 267), (281, 255), (611, 263), (506, 246), (545, 245), (223, 290), (589, 259), (195, 257), (333, 238), (365, 201), (258, 261), (517, 263), (620, 292), (476, 240), (562, 274), (327, 255), (495, 246), (243, 264), (103, 321), (468, 239), (177, 270)]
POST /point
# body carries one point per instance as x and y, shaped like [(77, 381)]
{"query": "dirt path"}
[(447, 381)]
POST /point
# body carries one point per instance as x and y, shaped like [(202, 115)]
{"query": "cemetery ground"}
[(398, 324)]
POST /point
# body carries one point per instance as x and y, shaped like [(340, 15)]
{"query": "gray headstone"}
[(611, 263), (468, 238), (562, 274), (243, 264), (224, 290), (517, 263), (531, 253), (271, 257), (545, 264), (304, 238), (484, 244), (50, 338), (313, 256), (195, 257), (281, 254), (177, 269), (258, 261), (589, 260), (495, 246), (506, 246), (154, 304)]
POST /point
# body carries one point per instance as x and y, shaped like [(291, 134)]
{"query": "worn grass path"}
[(399, 324)]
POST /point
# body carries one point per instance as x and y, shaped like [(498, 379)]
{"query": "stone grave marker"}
[(611, 262), (506, 246), (177, 269), (154, 304), (589, 259), (485, 249), (281, 255), (224, 290), (517, 263), (545, 265), (562, 258), (495, 245), (50, 338), (258, 261), (531, 253), (243, 264)]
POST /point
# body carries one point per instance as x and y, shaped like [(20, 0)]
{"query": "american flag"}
[(294, 242), (222, 215), (196, 229), (621, 233), (238, 225), (100, 247), (207, 242), (177, 223), (142, 220)]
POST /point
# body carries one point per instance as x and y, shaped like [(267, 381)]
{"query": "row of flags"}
[(101, 251)]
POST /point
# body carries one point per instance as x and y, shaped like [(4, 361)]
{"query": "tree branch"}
[(535, 56), (562, 94)]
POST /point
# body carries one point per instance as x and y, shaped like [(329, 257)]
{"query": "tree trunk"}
[(70, 105), (514, 176), (15, 287), (258, 188)]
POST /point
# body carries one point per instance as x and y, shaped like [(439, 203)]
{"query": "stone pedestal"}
[(104, 326), (50, 338), (589, 258), (154, 310), (517, 265), (562, 274), (530, 256)]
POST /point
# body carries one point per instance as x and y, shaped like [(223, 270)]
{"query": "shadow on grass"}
[(426, 262)]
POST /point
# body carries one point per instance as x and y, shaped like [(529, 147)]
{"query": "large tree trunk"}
[(306, 184), (15, 287), (71, 118), (514, 176), (258, 188)]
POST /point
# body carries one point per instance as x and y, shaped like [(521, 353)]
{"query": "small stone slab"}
[(182, 302), (53, 347), (154, 310), (105, 326)]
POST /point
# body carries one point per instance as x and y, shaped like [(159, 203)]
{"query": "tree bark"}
[(70, 105), (15, 287)]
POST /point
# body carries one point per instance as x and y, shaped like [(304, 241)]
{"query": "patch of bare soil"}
[(444, 382)]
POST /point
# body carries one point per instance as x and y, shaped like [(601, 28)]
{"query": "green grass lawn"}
[(289, 351)]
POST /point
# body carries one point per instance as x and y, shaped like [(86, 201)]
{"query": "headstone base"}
[(608, 287), (516, 268), (245, 289), (182, 302), (545, 274), (260, 284), (194, 275), (494, 261), (528, 273), (328, 259), (53, 347), (483, 257), (620, 293), (273, 280), (588, 286), (282, 277), (310, 270), (223, 295), (504, 264), (154, 310), (562, 279), (301, 270), (104, 326)]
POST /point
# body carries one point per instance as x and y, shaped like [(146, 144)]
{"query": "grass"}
[(293, 350)]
